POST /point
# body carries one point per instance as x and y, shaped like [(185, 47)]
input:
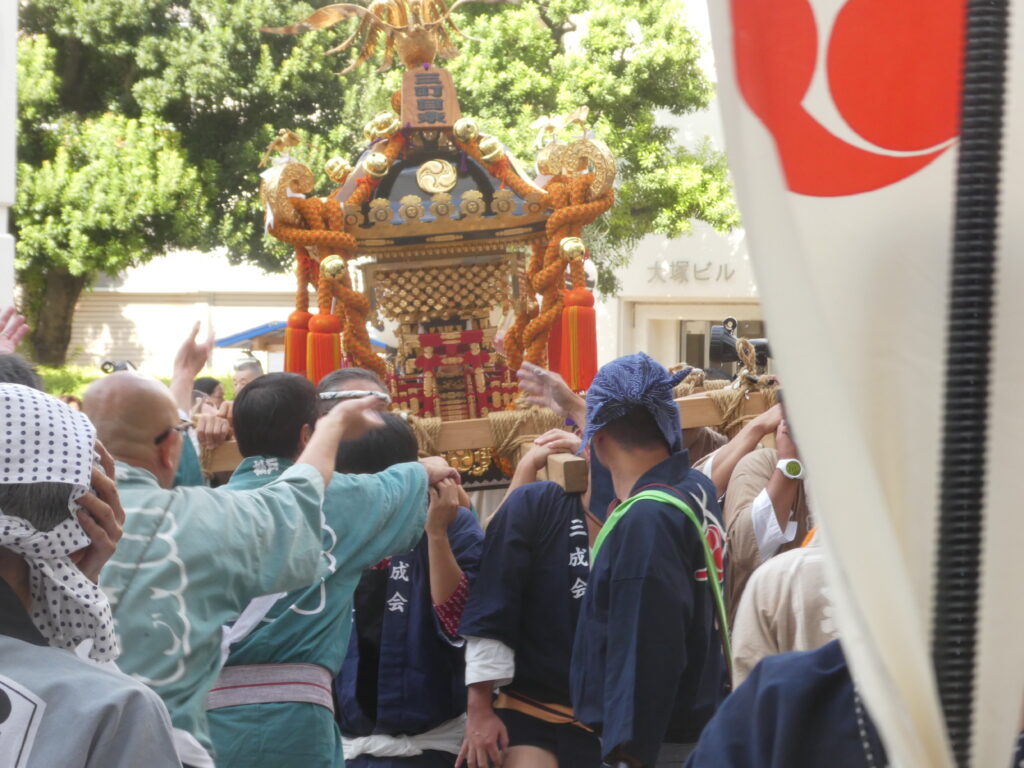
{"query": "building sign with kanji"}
[(690, 271), (429, 99)]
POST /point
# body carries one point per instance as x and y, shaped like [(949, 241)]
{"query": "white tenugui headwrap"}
[(44, 441)]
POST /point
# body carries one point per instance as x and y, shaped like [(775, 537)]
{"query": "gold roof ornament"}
[(284, 139), (437, 176), (418, 29), (278, 185)]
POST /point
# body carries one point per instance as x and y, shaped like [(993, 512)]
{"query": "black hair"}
[(269, 414), (637, 429), (378, 449), (14, 369), (206, 384)]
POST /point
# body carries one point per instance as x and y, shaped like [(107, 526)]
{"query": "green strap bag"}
[(713, 579)]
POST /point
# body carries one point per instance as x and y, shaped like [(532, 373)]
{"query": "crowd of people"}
[(339, 601)]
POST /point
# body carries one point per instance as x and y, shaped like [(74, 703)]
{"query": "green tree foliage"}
[(141, 123)]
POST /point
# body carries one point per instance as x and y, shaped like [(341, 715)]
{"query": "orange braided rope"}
[(357, 338), (304, 268), (311, 209), (566, 221), (514, 336), (501, 169), (324, 295), (325, 223)]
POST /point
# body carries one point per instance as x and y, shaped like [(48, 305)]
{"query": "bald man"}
[(193, 558)]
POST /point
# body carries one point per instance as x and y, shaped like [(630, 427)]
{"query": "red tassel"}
[(323, 346), (295, 342), (579, 339)]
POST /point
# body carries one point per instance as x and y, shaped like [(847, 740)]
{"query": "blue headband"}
[(631, 381)]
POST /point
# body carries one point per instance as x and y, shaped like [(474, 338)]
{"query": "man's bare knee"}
[(524, 756)]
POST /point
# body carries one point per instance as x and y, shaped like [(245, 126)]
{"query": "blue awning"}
[(238, 339), (241, 339)]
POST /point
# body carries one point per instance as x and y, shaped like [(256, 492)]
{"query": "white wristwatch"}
[(791, 468)]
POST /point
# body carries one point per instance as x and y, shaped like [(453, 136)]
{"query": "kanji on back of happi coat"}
[(852, 168)]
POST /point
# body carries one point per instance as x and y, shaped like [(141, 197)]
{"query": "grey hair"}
[(249, 365), (44, 505)]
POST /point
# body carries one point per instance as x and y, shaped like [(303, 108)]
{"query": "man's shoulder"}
[(541, 500), (695, 491), (53, 673)]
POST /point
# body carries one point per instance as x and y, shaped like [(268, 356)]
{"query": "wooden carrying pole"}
[(568, 471)]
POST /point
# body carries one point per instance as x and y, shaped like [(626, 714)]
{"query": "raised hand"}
[(547, 389), (101, 517), (192, 357), (443, 506), (438, 469), (13, 328)]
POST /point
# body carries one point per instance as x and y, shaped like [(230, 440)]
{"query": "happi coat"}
[(57, 709), (785, 607), (190, 561), (533, 576), (796, 709), (403, 674), (365, 518), (647, 663)]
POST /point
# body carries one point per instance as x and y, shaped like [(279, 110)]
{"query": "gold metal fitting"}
[(377, 165), (491, 149), (332, 266), (386, 124), (549, 160), (466, 129), (572, 249), (338, 169), (368, 131)]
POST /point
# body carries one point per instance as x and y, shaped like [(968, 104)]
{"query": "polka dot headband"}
[(44, 441)]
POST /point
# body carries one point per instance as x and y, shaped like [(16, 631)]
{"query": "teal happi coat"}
[(191, 559), (366, 518)]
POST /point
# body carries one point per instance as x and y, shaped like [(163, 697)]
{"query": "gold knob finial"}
[(338, 169), (572, 249), (466, 129), (332, 266), (491, 149), (377, 165)]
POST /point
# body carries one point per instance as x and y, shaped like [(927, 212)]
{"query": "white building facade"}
[(8, 111)]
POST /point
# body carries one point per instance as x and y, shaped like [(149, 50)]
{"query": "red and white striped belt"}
[(270, 683)]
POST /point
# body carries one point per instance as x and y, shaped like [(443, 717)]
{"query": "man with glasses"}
[(192, 558)]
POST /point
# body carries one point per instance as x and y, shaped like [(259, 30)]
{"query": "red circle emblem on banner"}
[(892, 71)]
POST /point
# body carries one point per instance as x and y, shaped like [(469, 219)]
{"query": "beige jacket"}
[(748, 480), (785, 607)]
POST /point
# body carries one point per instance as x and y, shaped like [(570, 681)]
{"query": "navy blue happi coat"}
[(404, 673), (647, 664), (532, 580)]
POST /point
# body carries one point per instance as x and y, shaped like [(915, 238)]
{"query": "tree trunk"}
[(51, 331)]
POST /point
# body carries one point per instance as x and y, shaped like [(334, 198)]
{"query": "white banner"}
[(841, 120)]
